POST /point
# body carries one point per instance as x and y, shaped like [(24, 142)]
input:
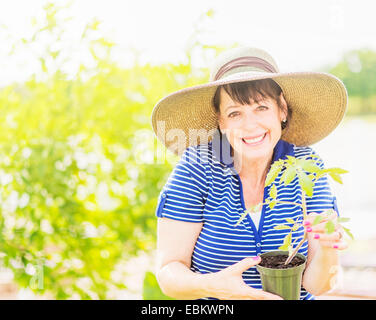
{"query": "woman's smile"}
[(251, 142)]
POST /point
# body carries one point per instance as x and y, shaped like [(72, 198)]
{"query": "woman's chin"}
[(263, 151)]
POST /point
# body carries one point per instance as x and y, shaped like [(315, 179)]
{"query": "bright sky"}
[(300, 35)]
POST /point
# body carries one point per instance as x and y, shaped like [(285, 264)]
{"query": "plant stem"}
[(288, 202), (293, 254), (277, 201), (304, 205), (283, 202)]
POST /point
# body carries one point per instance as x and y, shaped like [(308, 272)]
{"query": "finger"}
[(310, 218), (316, 228), (335, 236), (245, 264), (326, 215), (321, 226), (310, 223), (338, 245)]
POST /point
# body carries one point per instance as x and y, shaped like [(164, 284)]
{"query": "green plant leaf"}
[(337, 170), (347, 230), (287, 240), (306, 183), (289, 220), (321, 174), (336, 177), (309, 165), (317, 220), (288, 175), (312, 176), (296, 227), (273, 192), (291, 159), (273, 173), (243, 215), (281, 227), (329, 227), (343, 219)]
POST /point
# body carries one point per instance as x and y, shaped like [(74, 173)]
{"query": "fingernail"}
[(307, 223), (335, 246), (255, 258), (317, 236), (309, 229)]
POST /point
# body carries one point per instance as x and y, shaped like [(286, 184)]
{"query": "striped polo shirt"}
[(204, 187)]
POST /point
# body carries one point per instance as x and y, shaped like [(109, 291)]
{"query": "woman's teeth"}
[(258, 139)]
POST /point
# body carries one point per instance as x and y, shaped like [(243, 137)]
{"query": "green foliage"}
[(287, 241), (308, 171), (151, 290), (78, 176), (348, 232), (254, 208), (357, 71)]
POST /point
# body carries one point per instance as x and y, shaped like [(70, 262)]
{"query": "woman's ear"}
[(219, 122), (284, 106)]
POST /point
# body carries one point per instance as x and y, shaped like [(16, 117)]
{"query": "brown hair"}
[(252, 91)]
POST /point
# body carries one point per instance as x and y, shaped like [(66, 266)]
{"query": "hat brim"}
[(318, 102)]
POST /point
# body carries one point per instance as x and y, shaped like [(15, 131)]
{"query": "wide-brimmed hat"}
[(187, 117)]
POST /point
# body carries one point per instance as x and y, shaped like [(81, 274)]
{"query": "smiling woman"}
[(262, 95), (253, 115), (259, 116)]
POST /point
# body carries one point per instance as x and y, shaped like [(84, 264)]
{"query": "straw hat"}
[(318, 101)]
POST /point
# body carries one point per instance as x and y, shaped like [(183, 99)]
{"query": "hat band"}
[(245, 62)]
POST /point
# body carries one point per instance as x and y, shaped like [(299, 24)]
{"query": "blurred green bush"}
[(357, 69), (78, 176)]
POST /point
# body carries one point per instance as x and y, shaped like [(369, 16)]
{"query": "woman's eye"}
[(233, 114), (262, 107)]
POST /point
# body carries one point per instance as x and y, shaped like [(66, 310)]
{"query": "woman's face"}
[(253, 130)]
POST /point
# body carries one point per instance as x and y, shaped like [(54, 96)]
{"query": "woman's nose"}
[(249, 120)]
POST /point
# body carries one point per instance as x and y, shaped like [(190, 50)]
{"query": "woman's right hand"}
[(228, 283)]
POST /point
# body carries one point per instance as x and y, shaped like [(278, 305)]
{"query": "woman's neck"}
[(253, 171)]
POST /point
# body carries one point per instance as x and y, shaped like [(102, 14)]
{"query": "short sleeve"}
[(184, 194), (323, 197)]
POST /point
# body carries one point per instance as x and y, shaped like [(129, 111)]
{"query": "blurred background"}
[(80, 168)]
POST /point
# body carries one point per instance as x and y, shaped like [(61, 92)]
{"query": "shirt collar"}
[(222, 150)]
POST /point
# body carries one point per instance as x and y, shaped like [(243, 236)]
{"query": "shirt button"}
[(163, 195), (258, 245)]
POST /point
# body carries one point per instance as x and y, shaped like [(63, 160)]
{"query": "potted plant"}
[(281, 270)]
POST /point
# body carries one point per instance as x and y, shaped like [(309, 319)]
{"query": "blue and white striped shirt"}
[(204, 187)]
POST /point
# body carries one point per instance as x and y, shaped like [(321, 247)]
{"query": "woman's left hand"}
[(333, 240)]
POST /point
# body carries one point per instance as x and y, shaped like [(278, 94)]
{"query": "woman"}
[(248, 116)]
